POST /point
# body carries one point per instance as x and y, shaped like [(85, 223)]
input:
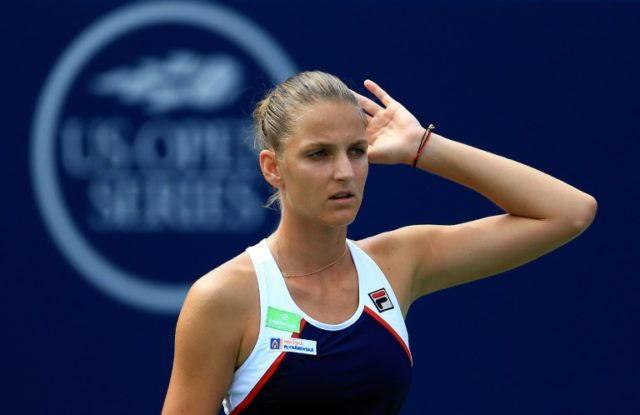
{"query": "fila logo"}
[(381, 299)]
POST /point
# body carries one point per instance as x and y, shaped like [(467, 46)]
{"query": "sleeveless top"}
[(301, 365)]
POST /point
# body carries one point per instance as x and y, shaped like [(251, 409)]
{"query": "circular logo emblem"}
[(141, 158)]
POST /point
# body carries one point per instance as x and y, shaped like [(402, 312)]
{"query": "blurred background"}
[(128, 172)]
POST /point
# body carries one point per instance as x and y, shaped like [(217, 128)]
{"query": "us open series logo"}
[(141, 155)]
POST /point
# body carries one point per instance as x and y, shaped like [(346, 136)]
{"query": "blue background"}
[(552, 84)]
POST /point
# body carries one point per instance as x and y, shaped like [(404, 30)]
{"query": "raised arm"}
[(542, 212)]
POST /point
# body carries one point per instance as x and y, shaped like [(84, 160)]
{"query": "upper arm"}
[(207, 341), (430, 257)]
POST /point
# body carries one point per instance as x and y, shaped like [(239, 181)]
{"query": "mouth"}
[(342, 196)]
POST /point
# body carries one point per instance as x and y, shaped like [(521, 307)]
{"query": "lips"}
[(341, 195)]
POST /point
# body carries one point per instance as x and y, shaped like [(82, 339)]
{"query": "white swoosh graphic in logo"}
[(185, 80)]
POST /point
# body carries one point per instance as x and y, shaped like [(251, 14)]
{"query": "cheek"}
[(304, 179), (312, 172)]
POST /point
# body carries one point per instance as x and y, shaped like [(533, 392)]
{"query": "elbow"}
[(583, 214)]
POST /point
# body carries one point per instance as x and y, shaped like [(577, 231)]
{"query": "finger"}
[(369, 106), (360, 98), (380, 93), (368, 133)]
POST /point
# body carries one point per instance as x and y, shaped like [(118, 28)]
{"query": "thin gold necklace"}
[(287, 275)]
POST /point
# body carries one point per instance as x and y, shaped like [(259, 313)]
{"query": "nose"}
[(343, 168)]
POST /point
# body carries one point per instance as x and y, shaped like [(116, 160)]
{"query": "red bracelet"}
[(423, 143)]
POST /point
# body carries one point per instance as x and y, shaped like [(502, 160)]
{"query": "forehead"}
[(329, 121)]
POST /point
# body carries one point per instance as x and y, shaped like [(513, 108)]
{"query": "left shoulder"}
[(392, 252)]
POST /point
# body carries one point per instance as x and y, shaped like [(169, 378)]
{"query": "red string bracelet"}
[(423, 143)]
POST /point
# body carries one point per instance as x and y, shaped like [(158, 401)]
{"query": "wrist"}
[(422, 144)]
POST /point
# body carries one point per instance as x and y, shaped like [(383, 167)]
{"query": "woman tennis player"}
[(310, 322)]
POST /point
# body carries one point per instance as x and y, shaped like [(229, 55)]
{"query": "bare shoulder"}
[(393, 248), (220, 308), (388, 243), (224, 292), (393, 252), (210, 334), (226, 279)]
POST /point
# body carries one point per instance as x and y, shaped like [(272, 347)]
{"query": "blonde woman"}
[(308, 321)]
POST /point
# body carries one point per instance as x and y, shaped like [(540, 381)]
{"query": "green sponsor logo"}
[(283, 320)]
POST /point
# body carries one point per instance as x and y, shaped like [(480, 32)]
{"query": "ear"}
[(270, 167)]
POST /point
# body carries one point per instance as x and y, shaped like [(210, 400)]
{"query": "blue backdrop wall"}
[(126, 175)]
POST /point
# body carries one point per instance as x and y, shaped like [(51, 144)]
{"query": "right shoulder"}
[(225, 292), (211, 329), (217, 314), (220, 307)]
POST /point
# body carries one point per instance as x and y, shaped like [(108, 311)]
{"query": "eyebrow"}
[(327, 144)]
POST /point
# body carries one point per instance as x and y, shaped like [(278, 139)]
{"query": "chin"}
[(340, 219)]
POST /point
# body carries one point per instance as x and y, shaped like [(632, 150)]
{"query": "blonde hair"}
[(274, 118)]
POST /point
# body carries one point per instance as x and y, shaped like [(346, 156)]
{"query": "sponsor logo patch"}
[(283, 320), (381, 300), (275, 344), (293, 345)]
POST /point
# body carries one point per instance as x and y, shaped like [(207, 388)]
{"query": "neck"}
[(305, 247)]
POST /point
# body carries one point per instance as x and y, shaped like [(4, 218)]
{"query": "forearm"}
[(516, 188)]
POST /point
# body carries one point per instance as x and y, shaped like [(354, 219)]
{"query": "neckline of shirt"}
[(319, 324)]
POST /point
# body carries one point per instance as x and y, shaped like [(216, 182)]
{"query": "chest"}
[(330, 301), (360, 369)]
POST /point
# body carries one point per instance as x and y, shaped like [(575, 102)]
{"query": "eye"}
[(357, 151), (316, 154)]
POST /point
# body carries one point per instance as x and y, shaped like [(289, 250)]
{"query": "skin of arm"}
[(542, 212), (208, 341)]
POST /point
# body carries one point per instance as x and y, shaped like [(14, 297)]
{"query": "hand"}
[(392, 131)]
